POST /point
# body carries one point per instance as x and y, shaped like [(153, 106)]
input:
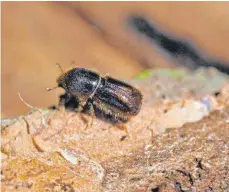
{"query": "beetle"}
[(107, 97)]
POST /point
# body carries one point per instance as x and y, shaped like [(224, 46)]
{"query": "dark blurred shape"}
[(178, 48), (68, 101), (71, 103)]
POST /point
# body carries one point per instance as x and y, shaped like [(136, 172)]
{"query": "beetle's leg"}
[(81, 108), (124, 128), (83, 105), (89, 106), (68, 102), (92, 115)]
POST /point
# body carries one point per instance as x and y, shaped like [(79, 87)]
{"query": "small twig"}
[(34, 108), (27, 125), (30, 106)]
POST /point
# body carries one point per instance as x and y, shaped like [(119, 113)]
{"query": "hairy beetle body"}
[(79, 82), (110, 98)]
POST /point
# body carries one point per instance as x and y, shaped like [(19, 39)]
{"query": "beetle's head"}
[(61, 81)]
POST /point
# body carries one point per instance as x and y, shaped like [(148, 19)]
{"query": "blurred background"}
[(116, 38)]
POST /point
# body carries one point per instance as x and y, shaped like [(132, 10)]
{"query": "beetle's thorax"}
[(80, 82)]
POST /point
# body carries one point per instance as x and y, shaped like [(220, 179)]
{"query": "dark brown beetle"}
[(110, 98)]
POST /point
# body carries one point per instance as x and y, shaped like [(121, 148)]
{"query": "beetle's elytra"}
[(105, 96)]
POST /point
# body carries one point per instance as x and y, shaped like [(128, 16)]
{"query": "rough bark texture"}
[(178, 142)]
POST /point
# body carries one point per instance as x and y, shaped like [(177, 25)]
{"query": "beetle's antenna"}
[(50, 89), (61, 69)]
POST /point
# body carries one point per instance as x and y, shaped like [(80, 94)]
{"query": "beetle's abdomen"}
[(119, 96), (110, 113)]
